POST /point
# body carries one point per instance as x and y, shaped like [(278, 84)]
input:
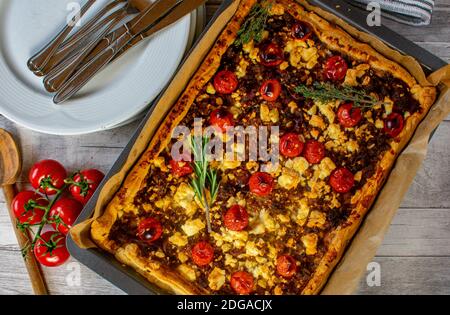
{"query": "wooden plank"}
[(410, 275), (71, 278)]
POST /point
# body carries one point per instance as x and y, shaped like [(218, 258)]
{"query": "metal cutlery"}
[(59, 74), (71, 44), (40, 60), (140, 24)]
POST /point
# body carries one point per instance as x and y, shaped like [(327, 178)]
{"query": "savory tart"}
[(344, 113)]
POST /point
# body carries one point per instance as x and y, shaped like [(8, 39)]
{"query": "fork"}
[(74, 41), (39, 60), (59, 74)]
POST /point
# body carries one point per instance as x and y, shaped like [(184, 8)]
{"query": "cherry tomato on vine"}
[(84, 184), (24, 207), (225, 82), (242, 282), (50, 249), (202, 253), (47, 174), (64, 213), (335, 68)]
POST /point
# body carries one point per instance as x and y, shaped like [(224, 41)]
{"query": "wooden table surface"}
[(414, 257)]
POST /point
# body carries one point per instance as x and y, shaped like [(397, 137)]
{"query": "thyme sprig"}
[(253, 27), (205, 179), (326, 92)]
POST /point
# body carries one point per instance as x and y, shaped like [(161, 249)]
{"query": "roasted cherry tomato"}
[(270, 90), (314, 151), (222, 119), (342, 180), (24, 207), (286, 266), (181, 168), (236, 218), (202, 253), (225, 82), (394, 124), (301, 30), (348, 115), (84, 184), (47, 173), (335, 68), (271, 55), (242, 282), (50, 249), (64, 213), (149, 230), (291, 145), (261, 184)]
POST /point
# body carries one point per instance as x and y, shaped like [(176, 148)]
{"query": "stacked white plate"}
[(116, 96)]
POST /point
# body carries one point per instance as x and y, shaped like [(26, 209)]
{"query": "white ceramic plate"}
[(114, 96)]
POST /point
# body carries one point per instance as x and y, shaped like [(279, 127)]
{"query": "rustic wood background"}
[(415, 255)]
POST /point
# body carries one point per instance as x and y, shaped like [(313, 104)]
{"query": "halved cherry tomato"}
[(291, 145), (236, 218), (261, 184), (85, 183), (202, 253), (47, 173), (394, 124), (50, 249), (301, 30), (24, 207), (149, 230), (314, 151), (64, 213), (225, 82), (342, 180), (181, 168), (335, 68), (348, 115), (242, 282), (271, 55), (286, 266), (270, 90), (221, 118)]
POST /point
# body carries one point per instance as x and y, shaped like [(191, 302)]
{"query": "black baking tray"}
[(125, 277)]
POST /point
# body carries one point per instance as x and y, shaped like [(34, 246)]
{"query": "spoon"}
[(10, 168)]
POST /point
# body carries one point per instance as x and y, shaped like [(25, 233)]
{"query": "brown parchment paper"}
[(345, 278)]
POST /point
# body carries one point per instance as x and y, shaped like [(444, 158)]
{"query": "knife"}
[(133, 28)]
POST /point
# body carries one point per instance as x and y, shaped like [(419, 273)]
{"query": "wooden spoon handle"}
[(34, 270)]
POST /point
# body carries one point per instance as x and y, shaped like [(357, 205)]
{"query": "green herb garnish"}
[(205, 178), (326, 92), (253, 27)]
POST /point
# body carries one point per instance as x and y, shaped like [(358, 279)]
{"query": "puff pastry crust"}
[(176, 273)]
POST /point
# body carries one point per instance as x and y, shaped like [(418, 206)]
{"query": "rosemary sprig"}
[(205, 178), (253, 27), (325, 92)]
